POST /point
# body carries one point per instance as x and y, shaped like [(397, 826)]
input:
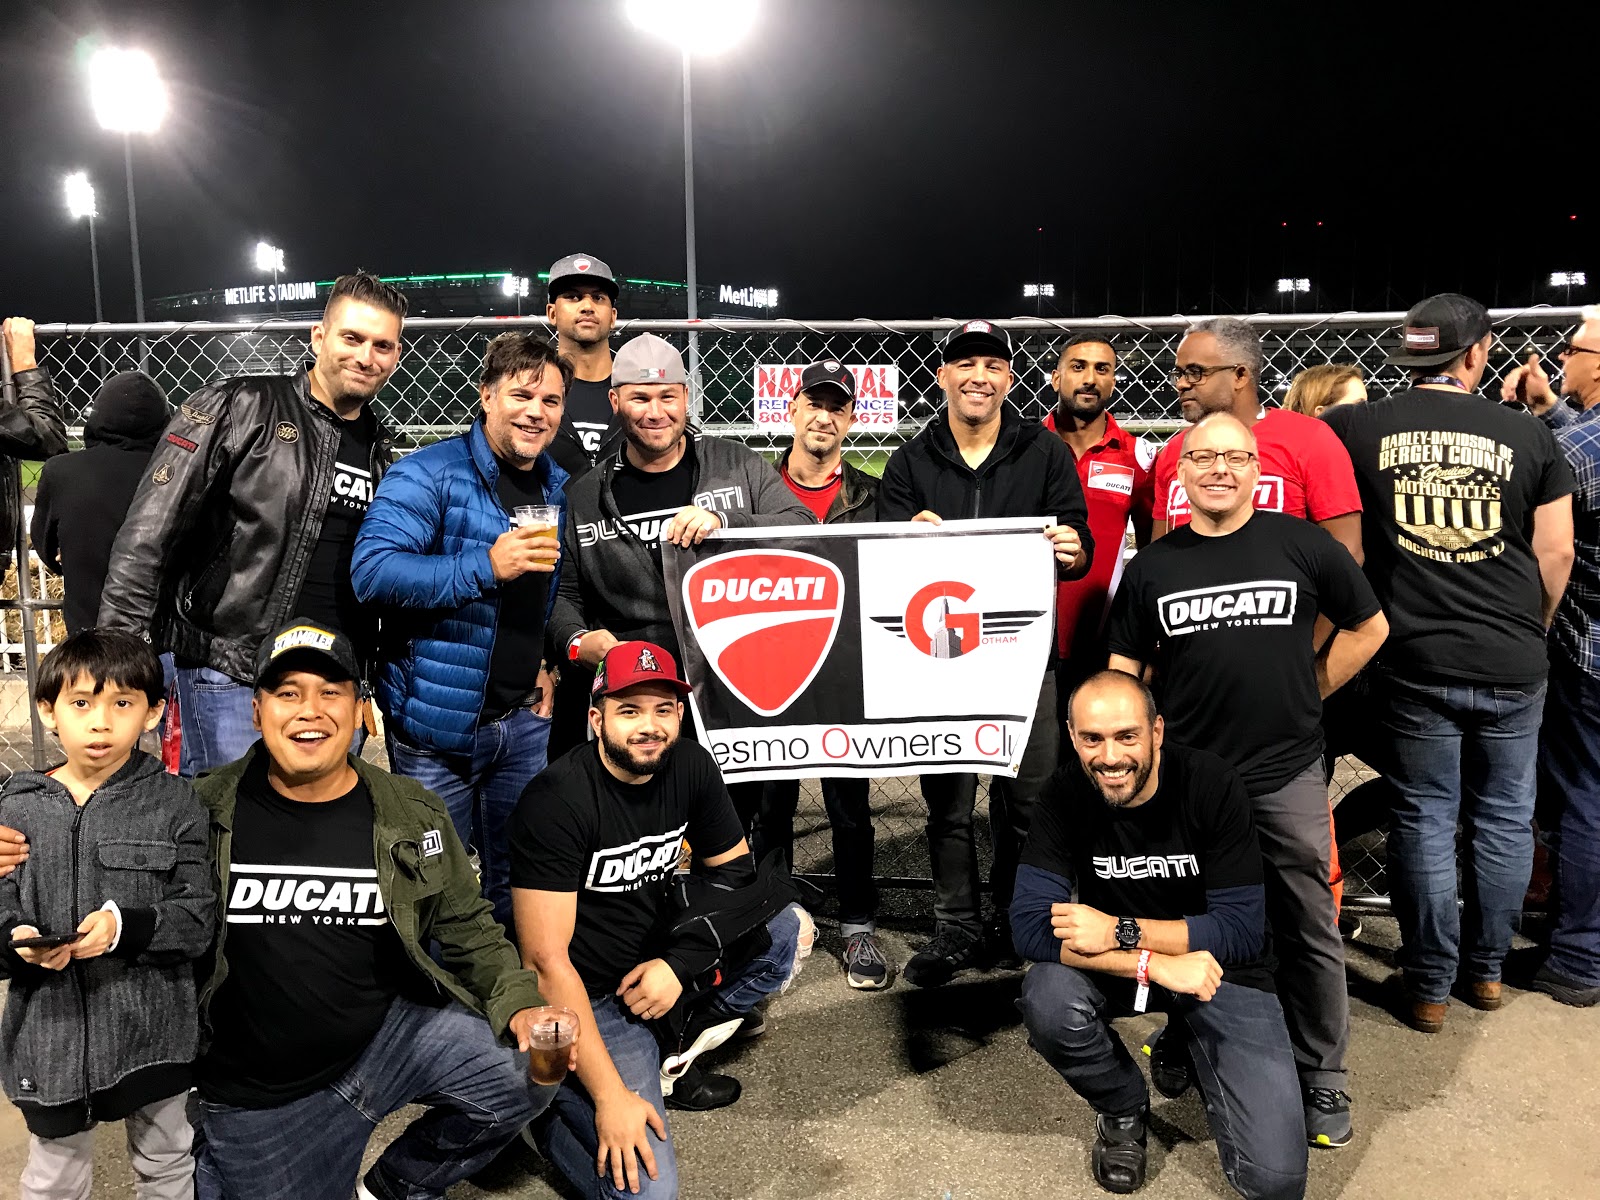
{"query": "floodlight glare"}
[(1293, 285), (80, 196), (126, 91), (514, 285), (268, 257), (1568, 279), (695, 26)]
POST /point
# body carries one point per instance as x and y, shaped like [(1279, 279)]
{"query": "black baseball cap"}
[(1438, 329), (315, 644), (975, 337), (829, 373), (581, 266)]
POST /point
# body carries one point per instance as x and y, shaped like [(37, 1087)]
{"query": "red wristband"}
[(1142, 971), (573, 643)]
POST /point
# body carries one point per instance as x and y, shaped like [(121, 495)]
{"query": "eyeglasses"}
[(1237, 460), (1194, 373), (1569, 349)]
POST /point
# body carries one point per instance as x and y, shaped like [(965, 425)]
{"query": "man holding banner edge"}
[(980, 459)]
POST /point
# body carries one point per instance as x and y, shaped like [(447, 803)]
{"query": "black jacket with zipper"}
[(221, 531), (1029, 473), (30, 429)]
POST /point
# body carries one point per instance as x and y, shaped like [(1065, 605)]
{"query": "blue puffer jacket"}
[(423, 554)]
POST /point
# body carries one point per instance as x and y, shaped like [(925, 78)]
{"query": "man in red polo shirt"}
[(1305, 469), (1114, 469)]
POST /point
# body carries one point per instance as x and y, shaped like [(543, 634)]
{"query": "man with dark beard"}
[(1141, 888), (1115, 470), (595, 843)]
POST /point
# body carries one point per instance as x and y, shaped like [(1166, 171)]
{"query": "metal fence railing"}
[(433, 393)]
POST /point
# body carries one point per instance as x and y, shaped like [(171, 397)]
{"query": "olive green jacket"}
[(429, 890)]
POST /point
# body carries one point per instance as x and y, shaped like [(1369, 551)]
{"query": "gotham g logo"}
[(944, 633)]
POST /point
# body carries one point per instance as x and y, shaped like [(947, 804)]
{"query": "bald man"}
[(1142, 867), (1224, 608)]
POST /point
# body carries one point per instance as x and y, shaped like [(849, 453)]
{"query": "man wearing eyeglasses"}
[(1224, 609), (1469, 536), (1305, 472)]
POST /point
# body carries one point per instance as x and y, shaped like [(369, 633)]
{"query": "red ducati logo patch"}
[(765, 620)]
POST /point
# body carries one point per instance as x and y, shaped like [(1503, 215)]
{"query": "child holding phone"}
[(116, 900)]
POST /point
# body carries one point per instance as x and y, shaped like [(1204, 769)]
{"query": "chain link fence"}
[(433, 394)]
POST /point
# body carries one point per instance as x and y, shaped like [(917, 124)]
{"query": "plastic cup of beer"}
[(550, 1040), (542, 519)]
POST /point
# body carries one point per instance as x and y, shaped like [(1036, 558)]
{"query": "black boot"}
[(701, 1091), (1119, 1157)]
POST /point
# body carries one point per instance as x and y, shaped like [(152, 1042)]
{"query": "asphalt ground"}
[(906, 1093)]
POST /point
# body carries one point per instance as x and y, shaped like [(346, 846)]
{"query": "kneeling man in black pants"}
[(1169, 914)]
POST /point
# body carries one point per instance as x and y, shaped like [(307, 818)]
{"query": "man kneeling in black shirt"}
[(595, 843), (1159, 846)]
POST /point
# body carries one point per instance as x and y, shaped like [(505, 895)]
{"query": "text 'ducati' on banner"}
[(877, 405), (879, 649)]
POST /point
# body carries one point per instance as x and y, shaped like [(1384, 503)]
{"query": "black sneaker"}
[(949, 950), (1119, 1156), (997, 942), (1171, 1070), (866, 966), (372, 1186), (1327, 1117), (1349, 925), (697, 1090), (754, 1023), (1567, 991)]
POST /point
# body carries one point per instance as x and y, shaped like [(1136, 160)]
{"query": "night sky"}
[(888, 158)]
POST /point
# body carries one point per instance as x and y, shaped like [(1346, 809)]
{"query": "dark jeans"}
[(1237, 1042), (481, 790), (1569, 776), (566, 1134), (1459, 751), (850, 818), (478, 1094), (951, 801)]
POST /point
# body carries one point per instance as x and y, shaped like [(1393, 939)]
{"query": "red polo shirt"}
[(1305, 471), (1117, 482)]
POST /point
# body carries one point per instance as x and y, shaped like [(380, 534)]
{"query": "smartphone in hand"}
[(46, 941)]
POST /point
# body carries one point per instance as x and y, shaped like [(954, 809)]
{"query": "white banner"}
[(877, 394)]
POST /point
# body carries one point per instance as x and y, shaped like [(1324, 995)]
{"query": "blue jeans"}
[(218, 722), (566, 1134), (1467, 752), (481, 790), (478, 1092), (1239, 1048), (1569, 773)]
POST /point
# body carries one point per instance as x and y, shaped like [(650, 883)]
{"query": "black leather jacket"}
[(220, 533), (30, 429)]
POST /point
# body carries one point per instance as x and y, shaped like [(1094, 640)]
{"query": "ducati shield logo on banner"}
[(765, 620)]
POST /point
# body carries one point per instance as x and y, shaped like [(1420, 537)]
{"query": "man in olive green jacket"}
[(322, 1010)]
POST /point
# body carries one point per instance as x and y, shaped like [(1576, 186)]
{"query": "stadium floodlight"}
[(1568, 279), (1286, 286), (1031, 291), (695, 26), (126, 91), (268, 257), (514, 285), (80, 196)]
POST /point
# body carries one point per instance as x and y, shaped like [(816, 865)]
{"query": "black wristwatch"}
[(1128, 933)]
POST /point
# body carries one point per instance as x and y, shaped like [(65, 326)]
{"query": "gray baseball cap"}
[(647, 359), (582, 266)]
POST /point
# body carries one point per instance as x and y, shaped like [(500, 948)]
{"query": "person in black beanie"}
[(83, 496)]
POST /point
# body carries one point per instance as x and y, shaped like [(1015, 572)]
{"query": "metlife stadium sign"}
[(862, 650)]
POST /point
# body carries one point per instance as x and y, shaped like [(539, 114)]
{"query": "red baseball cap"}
[(628, 664)]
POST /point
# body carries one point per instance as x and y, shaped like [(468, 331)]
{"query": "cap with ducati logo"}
[(1438, 329), (647, 359), (628, 664), (828, 374), (581, 266), (318, 646), (975, 337)]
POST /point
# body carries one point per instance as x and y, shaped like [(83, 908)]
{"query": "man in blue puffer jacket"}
[(466, 592)]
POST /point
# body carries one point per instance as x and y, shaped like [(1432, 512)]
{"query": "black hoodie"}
[(83, 496)]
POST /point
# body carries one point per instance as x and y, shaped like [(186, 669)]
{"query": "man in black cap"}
[(979, 458), (583, 307), (1467, 526), (822, 412)]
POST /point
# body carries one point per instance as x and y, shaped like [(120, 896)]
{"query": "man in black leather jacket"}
[(248, 515), (30, 429)]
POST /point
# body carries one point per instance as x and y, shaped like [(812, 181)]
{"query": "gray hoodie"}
[(111, 1034)]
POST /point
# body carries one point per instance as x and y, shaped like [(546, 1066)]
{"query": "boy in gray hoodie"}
[(100, 1019)]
